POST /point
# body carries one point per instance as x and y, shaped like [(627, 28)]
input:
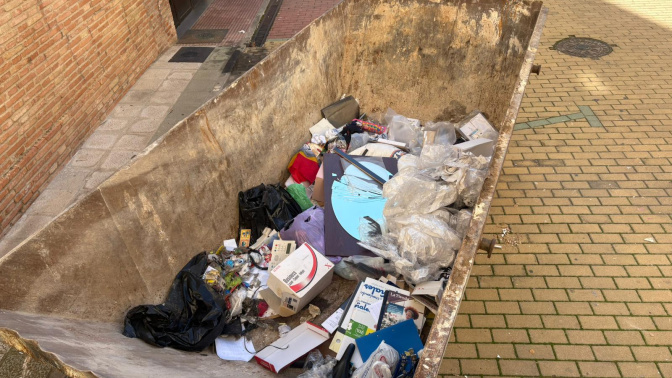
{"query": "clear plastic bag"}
[(357, 141), (444, 132), (236, 300), (470, 187), (381, 364), (405, 130), (437, 155), (385, 246), (411, 190), (320, 367), (463, 221), (425, 239), (456, 220), (358, 268), (408, 161)]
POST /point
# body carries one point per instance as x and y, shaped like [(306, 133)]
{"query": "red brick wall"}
[(64, 64)]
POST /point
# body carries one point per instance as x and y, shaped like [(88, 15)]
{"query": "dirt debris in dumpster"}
[(397, 207)]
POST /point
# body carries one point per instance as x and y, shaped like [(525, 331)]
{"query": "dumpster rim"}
[(439, 335)]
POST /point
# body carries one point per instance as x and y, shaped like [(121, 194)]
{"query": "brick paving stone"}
[(639, 369), (294, 15), (535, 351), (479, 367), (651, 353), (558, 369), (519, 368), (573, 352), (598, 369), (613, 353), (496, 351), (665, 369), (450, 367), (234, 15)]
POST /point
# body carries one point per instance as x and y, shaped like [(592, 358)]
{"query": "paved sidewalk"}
[(294, 15), (582, 286), (124, 134), (235, 15)]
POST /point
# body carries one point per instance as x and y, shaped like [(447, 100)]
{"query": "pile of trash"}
[(381, 202)]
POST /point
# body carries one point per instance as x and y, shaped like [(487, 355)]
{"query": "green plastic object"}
[(298, 192)]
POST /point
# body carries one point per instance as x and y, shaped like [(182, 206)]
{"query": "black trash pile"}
[(382, 201)]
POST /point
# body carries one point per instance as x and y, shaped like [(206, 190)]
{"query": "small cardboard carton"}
[(280, 251), (292, 346), (295, 281)]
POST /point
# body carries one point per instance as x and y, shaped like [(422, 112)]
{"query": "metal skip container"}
[(69, 285)]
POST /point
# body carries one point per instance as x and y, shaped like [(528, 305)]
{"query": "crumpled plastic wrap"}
[(410, 190), (470, 187), (320, 367), (421, 236), (386, 247), (456, 220), (405, 130), (462, 170), (357, 141), (236, 301), (425, 239), (408, 162), (358, 268), (381, 364), (444, 132)]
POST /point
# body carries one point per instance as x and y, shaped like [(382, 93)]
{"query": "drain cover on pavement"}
[(194, 36), (191, 55), (583, 47)]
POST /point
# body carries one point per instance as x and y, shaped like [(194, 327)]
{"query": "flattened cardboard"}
[(292, 346)]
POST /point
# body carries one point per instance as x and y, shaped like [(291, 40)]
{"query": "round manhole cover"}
[(583, 47)]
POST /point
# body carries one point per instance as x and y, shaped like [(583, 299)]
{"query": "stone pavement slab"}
[(583, 286)]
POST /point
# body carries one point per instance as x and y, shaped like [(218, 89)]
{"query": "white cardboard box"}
[(292, 346), (295, 281)]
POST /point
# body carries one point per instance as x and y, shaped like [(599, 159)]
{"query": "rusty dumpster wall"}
[(64, 64), (122, 245)]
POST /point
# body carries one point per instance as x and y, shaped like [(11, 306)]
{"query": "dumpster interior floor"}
[(76, 342)]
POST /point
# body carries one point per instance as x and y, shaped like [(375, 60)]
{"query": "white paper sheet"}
[(331, 324), (228, 348), (321, 127), (374, 310), (230, 244)]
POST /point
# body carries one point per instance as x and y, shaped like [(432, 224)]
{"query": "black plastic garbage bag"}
[(265, 206), (191, 318)]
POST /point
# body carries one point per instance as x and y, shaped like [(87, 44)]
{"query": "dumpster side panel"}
[(439, 335), (122, 245), (76, 265), (436, 60)]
